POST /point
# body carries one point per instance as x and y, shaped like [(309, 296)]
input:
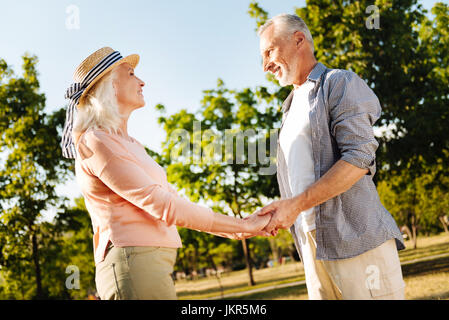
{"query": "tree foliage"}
[(203, 155), (32, 250), (405, 62)]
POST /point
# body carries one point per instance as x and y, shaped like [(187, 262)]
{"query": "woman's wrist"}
[(246, 225), (227, 224)]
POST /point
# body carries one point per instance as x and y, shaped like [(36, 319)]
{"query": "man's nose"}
[(264, 65), (268, 66)]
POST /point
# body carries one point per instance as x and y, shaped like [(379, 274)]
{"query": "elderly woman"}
[(133, 209)]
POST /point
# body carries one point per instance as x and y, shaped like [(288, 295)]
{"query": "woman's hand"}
[(250, 226), (256, 223)]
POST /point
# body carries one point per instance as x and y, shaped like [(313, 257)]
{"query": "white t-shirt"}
[(296, 143)]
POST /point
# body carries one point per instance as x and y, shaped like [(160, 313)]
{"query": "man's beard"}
[(287, 77)]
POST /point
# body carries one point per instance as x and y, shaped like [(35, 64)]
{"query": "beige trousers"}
[(136, 273), (373, 275)]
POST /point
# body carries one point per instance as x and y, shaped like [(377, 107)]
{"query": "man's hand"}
[(283, 214), (340, 177), (254, 222)]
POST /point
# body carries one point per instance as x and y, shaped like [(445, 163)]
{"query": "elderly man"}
[(346, 239)]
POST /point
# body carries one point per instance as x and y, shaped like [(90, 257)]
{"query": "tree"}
[(419, 203), (283, 244), (73, 253), (404, 59), (32, 169), (236, 180)]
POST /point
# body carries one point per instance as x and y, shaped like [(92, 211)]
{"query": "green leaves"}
[(256, 12), (204, 160), (32, 168), (223, 114)]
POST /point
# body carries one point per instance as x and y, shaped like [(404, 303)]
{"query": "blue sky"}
[(185, 46)]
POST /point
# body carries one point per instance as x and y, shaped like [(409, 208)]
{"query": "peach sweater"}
[(128, 196)]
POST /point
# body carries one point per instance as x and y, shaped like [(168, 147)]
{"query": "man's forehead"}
[(267, 38)]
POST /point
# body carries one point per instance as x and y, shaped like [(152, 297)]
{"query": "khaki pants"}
[(136, 273), (373, 275)]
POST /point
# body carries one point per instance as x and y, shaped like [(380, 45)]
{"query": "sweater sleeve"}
[(118, 170)]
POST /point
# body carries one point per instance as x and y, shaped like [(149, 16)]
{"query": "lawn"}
[(237, 281), (427, 246), (424, 280)]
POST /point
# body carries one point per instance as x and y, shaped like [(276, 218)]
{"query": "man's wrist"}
[(298, 203)]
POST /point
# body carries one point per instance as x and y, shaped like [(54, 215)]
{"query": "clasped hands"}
[(268, 220)]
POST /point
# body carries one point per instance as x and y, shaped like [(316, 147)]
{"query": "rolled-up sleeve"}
[(354, 108), (124, 176)]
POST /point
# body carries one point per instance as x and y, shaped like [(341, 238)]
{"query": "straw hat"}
[(93, 60), (92, 69)]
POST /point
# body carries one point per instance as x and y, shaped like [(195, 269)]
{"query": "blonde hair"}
[(99, 109)]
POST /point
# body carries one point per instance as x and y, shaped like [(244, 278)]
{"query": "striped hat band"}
[(86, 75)]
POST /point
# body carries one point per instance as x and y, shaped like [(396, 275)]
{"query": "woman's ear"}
[(114, 86), (114, 80)]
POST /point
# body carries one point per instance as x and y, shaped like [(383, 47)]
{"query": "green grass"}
[(427, 246), (424, 280), (237, 281), (429, 286), (291, 293)]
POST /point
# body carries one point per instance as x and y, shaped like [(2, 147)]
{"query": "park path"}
[(297, 283)]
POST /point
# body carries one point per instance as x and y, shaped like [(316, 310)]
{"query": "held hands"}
[(268, 220), (283, 214), (253, 226), (256, 223)]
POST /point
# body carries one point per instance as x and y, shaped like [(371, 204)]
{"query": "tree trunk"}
[(211, 261), (274, 249), (414, 241), (443, 222), (290, 254), (414, 233), (40, 293), (410, 235), (249, 266)]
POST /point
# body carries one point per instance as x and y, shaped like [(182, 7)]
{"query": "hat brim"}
[(132, 59)]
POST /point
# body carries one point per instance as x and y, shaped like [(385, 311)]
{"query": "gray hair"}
[(289, 24), (99, 109)]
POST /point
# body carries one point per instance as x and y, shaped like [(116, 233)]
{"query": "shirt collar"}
[(314, 75), (316, 72)]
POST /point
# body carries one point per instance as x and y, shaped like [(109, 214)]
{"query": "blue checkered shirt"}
[(343, 110)]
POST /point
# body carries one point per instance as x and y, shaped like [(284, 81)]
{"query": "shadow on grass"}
[(227, 288), (280, 293), (410, 254), (417, 268), (439, 296), (423, 267)]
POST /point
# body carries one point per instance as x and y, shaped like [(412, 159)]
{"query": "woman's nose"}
[(141, 83)]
